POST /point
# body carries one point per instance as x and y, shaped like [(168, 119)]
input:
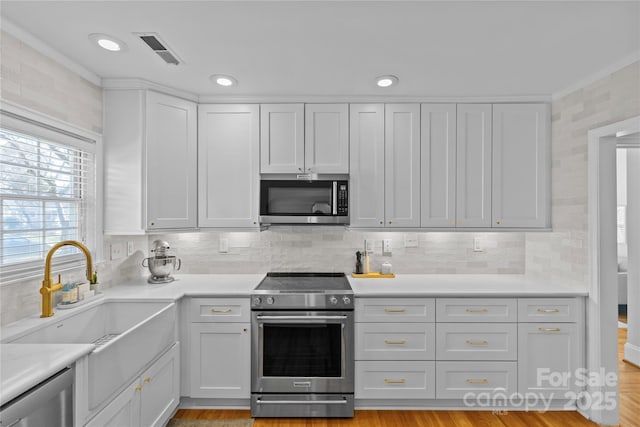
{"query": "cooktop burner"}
[(304, 282), (303, 290)]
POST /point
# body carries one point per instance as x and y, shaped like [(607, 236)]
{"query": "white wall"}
[(562, 255)]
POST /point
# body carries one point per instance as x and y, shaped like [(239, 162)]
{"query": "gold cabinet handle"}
[(473, 381), (224, 310), (549, 329), (394, 310), (399, 342), (483, 342), (147, 380), (390, 381), (477, 310), (381, 222), (498, 222), (389, 222), (548, 310), (139, 388)]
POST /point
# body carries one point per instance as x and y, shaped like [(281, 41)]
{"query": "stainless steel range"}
[(302, 349)]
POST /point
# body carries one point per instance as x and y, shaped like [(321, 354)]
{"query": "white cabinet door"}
[(366, 160), (326, 148), (160, 389), (228, 164), (281, 138), (402, 165), (520, 165), (171, 162), (123, 411), (220, 360), (473, 185), (438, 165), (548, 356)]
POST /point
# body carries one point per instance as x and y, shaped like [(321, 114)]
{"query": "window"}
[(47, 194)]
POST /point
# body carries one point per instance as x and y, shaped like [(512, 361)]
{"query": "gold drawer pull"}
[(483, 342), (224, 310), (477, 310), (549, 329), (390, 381), (482, 381), (147, 380), (394, 310), (399, 342), (139, 388), (548, 310)]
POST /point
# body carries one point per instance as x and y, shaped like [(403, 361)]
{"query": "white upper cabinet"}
[(402, 165), (438, 165), (228, 164), (150, 154), (520, 165), (473, 186), (326, 138), (282, 138), (366, 163)]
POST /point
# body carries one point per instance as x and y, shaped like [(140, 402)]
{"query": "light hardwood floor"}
[(629, 412)]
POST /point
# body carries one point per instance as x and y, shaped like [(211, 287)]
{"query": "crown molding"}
[(607, 71), (354, 99), (42, 47), (142, 84)]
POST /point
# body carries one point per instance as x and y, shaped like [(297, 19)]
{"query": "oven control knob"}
[(333, 300), (257, 301), (270, 300), (346, 300)]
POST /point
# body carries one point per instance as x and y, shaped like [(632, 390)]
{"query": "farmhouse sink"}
[(127, 336)]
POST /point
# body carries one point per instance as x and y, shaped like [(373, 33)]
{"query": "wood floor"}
[(629, 412)]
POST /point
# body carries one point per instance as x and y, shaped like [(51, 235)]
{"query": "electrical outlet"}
[(477, 247), (224, 245), (116, 250), (386, 247), (368, 246), (410, 240), (129, 248)]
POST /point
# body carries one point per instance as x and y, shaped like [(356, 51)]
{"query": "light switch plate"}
[(224, 245), (477, 247), (410, 240), (116, 250), (368, 246), (129, 248), (386, 247)]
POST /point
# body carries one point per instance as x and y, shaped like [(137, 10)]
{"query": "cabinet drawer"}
[(220, 310), (395, 341), (476, 341), (455, 379), (395, 310), (549, 309), (476, 310), (392, 380)]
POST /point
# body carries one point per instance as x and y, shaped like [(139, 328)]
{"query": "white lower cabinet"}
[(220, 348), (394, 341), (476, 341), (149, 400), (455, 379), (393, 380)]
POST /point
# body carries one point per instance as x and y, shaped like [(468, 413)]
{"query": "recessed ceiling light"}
[(108, 42), (223, 80), (386, 81)]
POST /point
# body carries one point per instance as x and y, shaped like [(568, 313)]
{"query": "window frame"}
[(29, 122)]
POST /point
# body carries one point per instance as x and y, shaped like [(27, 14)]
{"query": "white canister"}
[(386, 268)]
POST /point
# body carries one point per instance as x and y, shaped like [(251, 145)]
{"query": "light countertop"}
[(26, 365)]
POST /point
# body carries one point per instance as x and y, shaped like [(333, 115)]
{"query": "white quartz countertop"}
[(26, 365), (461, 285)]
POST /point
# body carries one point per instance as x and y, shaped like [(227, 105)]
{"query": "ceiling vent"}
[(159, 47)]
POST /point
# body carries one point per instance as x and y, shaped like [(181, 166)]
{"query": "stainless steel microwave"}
[(304, 202)]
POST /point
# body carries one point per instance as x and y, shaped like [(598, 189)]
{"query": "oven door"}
[(302, 352)]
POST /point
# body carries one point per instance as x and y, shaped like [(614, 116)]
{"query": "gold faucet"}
[(48, 288)]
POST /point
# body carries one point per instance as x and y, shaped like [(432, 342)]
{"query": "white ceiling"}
[(311, 48)]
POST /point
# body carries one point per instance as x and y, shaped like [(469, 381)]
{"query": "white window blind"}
[(47, 194)]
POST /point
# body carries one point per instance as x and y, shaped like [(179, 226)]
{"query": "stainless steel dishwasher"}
[(48, 404)]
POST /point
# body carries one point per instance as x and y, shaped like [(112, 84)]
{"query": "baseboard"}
[(632, 354)]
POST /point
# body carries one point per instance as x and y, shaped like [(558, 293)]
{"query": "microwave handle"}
[(334, 194)]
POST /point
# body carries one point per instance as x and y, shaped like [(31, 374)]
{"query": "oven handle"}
[(301, 402), (307, 318)]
